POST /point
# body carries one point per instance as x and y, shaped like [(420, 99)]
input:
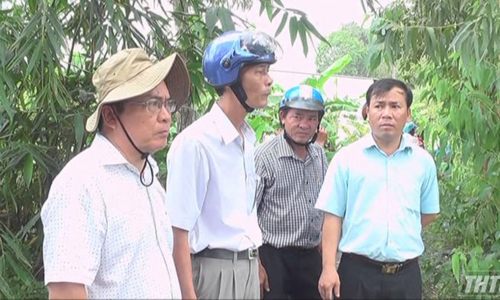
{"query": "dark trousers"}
[(361, 278), (293, 272)]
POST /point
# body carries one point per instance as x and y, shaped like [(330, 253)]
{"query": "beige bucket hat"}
[(130, 73)]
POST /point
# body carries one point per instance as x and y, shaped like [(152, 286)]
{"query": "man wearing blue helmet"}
[(291, 169), (211, 175)]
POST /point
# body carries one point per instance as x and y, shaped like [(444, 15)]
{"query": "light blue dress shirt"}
[(380, 198)]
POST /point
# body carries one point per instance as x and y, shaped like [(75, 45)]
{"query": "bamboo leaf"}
[(5, 289), (455, 266), (79, 131), (34, 59), (282, 24), (310, 27), (263, 5), (225, 19), (269, 10), (303, 38), (5, 101), (28, 169), (293, 29), (275, 13), (14, 247), (279, 3), (21, 272)]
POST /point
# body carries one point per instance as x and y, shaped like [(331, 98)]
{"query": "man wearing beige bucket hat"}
[(211, 174), (106, 231)]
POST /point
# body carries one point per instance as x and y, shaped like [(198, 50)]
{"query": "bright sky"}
[(326, 15)]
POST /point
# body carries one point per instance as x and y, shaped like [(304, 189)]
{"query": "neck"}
[(233, 109), (388, 146), (120, 141), (300, 151)]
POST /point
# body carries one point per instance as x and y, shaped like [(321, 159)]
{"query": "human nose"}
[(270, 80), (164, 115), (386, 112)]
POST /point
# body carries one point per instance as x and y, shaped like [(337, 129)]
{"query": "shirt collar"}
[(284, 149), (227, 129), (368, 142), (109, 155)]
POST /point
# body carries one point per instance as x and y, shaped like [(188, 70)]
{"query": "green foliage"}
[(450, 50), (266, 121), (48, 53), (350, 40)]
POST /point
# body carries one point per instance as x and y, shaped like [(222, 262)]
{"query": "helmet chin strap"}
[(240, 93), (144, 155)]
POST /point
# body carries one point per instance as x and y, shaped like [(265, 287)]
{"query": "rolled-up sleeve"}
[(187, 179), (74, 226)]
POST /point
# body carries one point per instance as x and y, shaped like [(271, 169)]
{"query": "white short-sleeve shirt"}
[(211, 184), (105, 230)]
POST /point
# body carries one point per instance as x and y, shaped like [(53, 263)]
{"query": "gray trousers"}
[(216, 278)]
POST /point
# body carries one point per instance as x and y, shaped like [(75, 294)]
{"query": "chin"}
[(157, 146)]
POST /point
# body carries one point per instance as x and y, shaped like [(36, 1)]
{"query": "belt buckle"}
[(391, 268), (253, 253)]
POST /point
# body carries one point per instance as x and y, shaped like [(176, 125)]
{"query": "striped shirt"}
[(287, 193)]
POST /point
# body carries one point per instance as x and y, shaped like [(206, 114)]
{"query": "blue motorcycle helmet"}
[(307, 98), (409, 127), (226, 55)]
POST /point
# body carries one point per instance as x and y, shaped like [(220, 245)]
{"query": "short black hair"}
[(119, 108), (383, 86)]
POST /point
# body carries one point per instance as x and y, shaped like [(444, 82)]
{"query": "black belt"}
[(248, 254), (385, 267)]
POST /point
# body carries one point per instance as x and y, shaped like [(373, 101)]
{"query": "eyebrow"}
[(388, 101)]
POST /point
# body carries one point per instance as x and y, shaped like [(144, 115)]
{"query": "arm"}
[(329, 279), (182, 260), (322, 137), (71, 213), (264, 282), (66, 290), (426, 219)]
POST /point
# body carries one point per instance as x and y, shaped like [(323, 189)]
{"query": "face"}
[(148, 130), (257, 84), (300, 124), (388, 114)]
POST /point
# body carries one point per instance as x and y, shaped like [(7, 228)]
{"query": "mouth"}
[(163, 133), (386, 125)]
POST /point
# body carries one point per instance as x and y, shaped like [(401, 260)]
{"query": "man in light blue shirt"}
[(377, 196)]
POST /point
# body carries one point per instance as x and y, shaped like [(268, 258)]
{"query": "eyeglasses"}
[(153, 106)]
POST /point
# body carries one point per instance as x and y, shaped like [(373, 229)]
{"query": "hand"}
[(329, 281), (322, 136), (264, 282)]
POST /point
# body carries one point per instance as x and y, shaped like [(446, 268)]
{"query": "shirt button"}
[(307, 182), (312, 220)]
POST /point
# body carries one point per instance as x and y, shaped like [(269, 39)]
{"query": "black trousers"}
[(361, 278), (293, 273)]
